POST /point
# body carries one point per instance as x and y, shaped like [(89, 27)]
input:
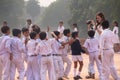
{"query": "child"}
[(76, 55), (107, 52), (17, 50), (57, 59), (25, 39), (45, 50), (5, 52), (92, 45), (61, 27), (33, 73), (65, 51), (75, 27)]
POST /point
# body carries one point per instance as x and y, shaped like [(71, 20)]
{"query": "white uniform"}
[(92, 46), (45, 50), (17, 61), (1, 67), (107, 52), (5, 51), (61, 29), (30, 28), (57, 59), (33, 73), (65, 57), (116, 31)]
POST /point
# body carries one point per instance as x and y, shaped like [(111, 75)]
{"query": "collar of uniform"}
[(32, 40)]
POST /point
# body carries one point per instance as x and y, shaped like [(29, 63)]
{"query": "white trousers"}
[(5, 59), (33, 69), (66, 59), (17, 62), (108, 66), (1, 67), (93, 57), (47, 65), (59, 67)]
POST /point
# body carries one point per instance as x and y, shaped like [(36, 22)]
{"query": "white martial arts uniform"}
[(116, 31), (107, 52), (5, 52), (57, 59), (65, 56), (17, 61), (32, 62), (45, 50), (92, 45)]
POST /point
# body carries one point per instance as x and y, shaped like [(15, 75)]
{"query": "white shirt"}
[(17, 46), (65, 39), (31, 46), (56, 47), (106, 40), (30, 28), (75, 29), (61, 29), (92, 45), (44, 47), (5, 43), (115, 30)]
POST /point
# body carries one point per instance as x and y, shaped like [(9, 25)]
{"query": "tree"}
[(33, 8)]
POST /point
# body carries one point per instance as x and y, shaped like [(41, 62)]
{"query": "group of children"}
[(43, 54)]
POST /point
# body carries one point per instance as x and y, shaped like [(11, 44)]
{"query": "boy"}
[(5, 52), (33, 73), (29, 25), (25, 39), (65, 51), (61, 27), (107, 52), (76, 55), (92, 45), (17, 50), (45, 50), (57, 59)]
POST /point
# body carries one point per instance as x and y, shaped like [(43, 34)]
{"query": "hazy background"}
[(50, 12)]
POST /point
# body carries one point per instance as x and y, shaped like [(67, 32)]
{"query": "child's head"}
[(74, 35), (57, 33), (25, 32), (91, 33), (5, 30), (29, 21), (43, 35), (115, 23), (16, 32), (66, 32), (33, 35), (105, 24)]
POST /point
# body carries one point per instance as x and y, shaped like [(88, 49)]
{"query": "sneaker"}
[(75, 78), (79, 77)]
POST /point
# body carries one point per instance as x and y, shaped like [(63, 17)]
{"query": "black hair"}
[(66, 31), (43, 35), (36, 28), (5, 29), (25, 29), (33, 35), (75, 24), (91, 33), (105, 24), (16, 32), (74, 34), (57, 33), (116, 23)]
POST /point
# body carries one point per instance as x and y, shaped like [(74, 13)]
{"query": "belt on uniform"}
[(33, 55), (56, 54), (46, 55), (108, 49), (93, 51)]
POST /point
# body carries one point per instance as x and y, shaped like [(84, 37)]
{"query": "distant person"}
[(116, 32), (75, 27), (92, 45), (96, 25), (61, 27), (5, 23), (107, 52), (29, 25)]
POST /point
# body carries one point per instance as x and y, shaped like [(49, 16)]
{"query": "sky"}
[(45, 3)]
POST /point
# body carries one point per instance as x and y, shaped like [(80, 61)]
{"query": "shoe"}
[(66, 77), (79, 77), (60, 79), (75, 78)]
